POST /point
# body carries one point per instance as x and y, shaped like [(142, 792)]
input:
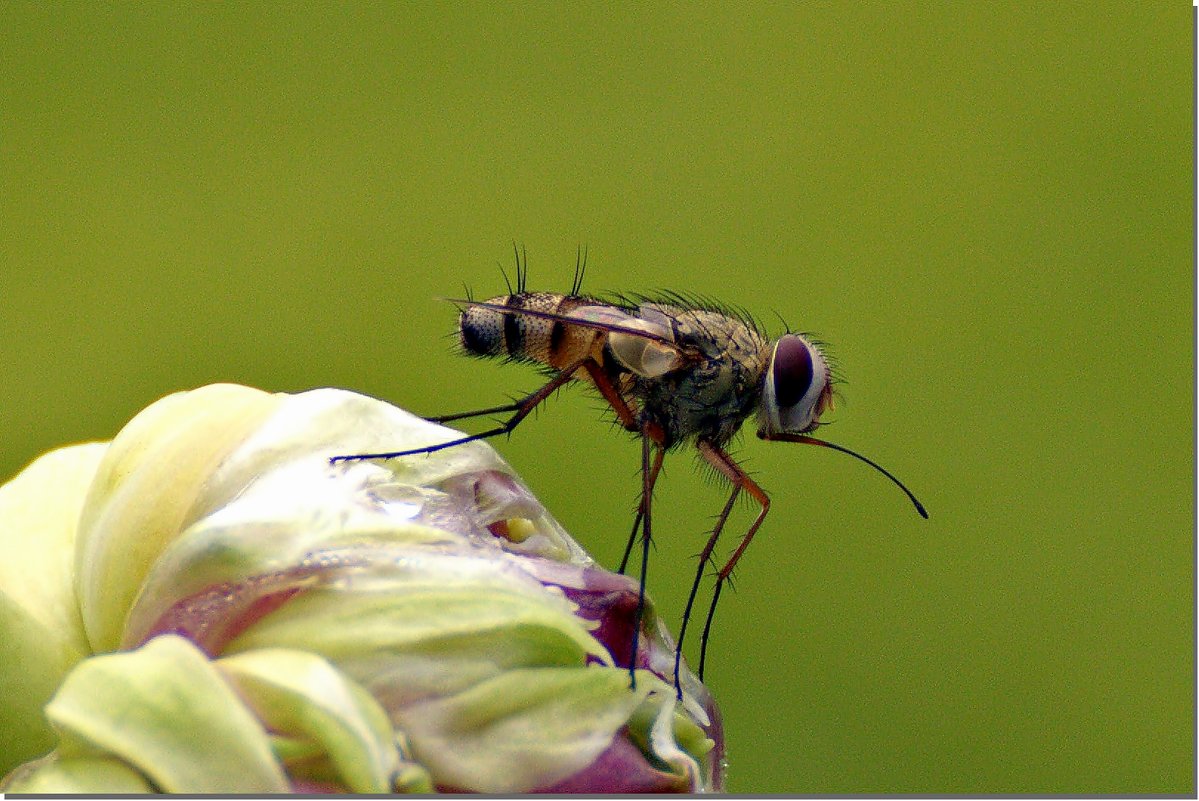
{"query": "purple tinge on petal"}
[(715, 731), (610, 600), (621, 768), (215, 616), (311, 787)]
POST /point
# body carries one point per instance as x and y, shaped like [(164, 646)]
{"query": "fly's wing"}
[(644, 346)]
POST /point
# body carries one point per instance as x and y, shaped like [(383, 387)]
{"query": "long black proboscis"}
[(806, 440)]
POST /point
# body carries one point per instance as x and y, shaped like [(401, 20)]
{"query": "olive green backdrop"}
[(986, 209)]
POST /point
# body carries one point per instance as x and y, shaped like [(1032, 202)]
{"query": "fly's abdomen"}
[(515, 333)]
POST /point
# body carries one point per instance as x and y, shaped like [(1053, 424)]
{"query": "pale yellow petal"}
[(145, 490), (41, 633)]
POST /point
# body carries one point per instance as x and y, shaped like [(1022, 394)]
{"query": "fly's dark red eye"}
[(792, 370)]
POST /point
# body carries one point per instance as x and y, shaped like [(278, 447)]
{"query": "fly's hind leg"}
[(521, 409), (507, 407)]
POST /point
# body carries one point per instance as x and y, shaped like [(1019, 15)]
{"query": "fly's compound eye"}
[(796, 391), (791, 370)]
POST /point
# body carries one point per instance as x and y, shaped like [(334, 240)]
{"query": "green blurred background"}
[(986, 209)]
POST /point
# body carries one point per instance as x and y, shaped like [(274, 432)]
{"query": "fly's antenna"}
[(580, 269), (805, 440)]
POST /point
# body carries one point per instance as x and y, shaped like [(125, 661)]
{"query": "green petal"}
[(442, 622), (671, 740), (298, 694), (523, 729), (79, 776), (41, 632), (167, 711)]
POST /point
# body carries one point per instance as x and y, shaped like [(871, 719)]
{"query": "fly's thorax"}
[(713, 333), (504, 328), (715, 395)]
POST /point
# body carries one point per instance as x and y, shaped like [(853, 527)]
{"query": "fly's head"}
[(797, 388)]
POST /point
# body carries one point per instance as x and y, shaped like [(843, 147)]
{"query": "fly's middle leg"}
[(653, 438), (628, 548), (650, 440)]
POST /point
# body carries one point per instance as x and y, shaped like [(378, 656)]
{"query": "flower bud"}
[(244, 616)]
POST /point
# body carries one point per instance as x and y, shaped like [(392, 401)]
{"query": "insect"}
[(675, 370)]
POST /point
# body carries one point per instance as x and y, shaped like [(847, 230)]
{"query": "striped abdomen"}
[(522, 337)]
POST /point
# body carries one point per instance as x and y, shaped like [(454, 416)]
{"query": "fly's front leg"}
[(740, 481), (521, 410), (705, 556)]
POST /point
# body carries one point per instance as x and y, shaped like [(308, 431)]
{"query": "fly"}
[(675, 371)]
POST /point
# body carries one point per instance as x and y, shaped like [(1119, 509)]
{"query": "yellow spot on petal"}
[(514, 529)]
